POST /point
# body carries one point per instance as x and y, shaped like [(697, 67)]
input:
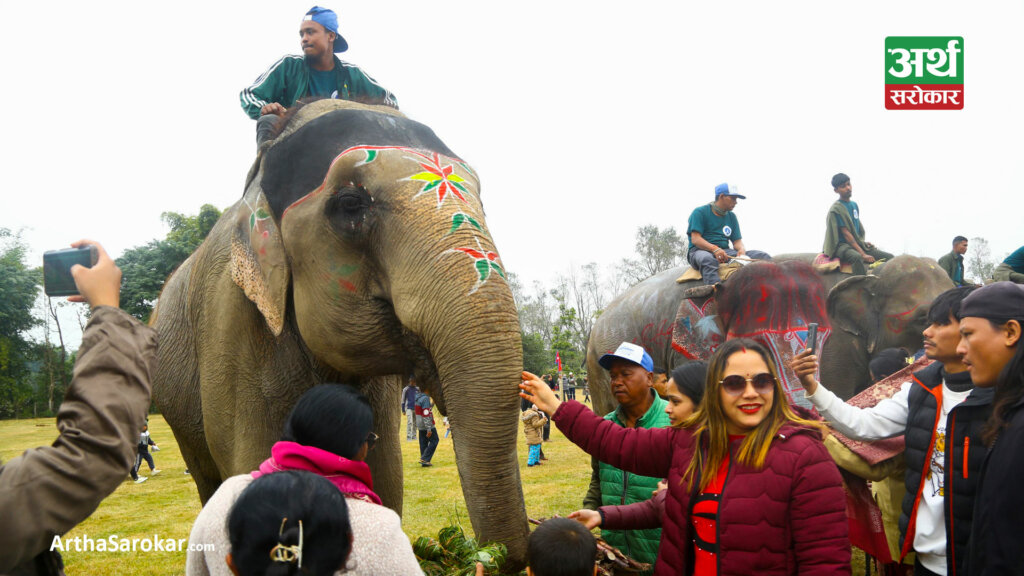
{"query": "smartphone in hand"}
[(812, 337), (57, 279)]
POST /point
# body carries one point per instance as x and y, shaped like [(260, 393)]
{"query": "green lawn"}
[(167, 503)]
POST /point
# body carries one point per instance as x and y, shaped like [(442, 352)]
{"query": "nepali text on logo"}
[(924, 73)]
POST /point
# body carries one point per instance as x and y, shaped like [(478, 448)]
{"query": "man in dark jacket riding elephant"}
[(941, 414), (318, 73)]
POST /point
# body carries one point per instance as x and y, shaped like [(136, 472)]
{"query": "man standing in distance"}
[(844, 233), (318, 73), (711, 228), (953, 263)]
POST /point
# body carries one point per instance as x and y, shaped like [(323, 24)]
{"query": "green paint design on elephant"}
[(340, 271), (484, 262), (460, 218), (258, 214), (483, 267), (371, 155)]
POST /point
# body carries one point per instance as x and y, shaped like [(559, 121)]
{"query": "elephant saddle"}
[(724, 271), (823, 264)]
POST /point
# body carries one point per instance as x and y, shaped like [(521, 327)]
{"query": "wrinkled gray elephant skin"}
[(359, 252)]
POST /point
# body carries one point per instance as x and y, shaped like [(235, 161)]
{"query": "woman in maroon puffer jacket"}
[(751, 488)]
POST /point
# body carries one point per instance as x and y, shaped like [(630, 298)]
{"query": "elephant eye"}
[(347, 208)]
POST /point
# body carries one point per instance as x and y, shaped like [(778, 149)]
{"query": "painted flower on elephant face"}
[(440, 179), (485, 262)]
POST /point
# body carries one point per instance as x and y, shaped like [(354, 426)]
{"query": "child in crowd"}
[(563, 547), (290, 522), (533, 426)]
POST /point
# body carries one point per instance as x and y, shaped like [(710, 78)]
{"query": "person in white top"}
[(941, 414)]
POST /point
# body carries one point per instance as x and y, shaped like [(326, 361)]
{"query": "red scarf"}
[(352, 478)]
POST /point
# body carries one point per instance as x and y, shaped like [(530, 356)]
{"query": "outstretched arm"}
[(51, 489), (886, 419), (647, 452)]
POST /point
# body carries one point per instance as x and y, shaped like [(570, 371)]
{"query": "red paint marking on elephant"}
[(654, 335), (346, 285), (897, 323), (773, 298), (307, 196)]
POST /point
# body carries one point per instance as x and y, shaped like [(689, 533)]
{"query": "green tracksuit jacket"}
[(288, 80)]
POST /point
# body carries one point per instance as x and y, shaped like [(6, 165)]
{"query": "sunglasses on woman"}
[(371, 439), (735, 385)]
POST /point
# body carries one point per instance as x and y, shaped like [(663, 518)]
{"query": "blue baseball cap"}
[(329, 20), (724, 189), (628, 351)]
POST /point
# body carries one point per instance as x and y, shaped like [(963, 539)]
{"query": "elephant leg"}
[(600, 385), (385, 395)]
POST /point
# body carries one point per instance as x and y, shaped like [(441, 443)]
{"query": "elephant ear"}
[(697, 330), (258, 262), (851, 307)]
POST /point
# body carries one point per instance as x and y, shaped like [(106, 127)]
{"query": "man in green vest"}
[(317, 73), (632, 381), (844, 233)]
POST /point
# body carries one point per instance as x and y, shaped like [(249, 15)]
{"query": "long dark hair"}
[(332, 417), (1009, 391), (266, 518), (709, 421)]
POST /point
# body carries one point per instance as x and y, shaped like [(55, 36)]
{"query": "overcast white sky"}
[(584, 120)]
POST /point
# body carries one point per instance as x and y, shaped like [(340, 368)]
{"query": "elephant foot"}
[(702, 291)]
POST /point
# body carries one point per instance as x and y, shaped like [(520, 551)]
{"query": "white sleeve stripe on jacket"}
[(247, 94)]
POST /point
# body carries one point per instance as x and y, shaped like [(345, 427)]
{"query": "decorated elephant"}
[(875, 312), (358, 252), (655, 310)]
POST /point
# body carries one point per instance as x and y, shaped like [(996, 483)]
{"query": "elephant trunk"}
[(844, 364), (474, 344)]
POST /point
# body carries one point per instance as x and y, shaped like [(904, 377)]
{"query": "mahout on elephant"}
[(861, 316), (358, 252)]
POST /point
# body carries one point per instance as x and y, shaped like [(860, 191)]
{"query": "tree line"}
[(35, 362), (555, 315)]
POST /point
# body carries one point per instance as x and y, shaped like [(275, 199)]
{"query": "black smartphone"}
[(57, 279), (812, 337)]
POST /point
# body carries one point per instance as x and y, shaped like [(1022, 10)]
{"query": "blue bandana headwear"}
[(329, 20)]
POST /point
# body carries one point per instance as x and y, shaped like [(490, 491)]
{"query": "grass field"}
[(167, 503)]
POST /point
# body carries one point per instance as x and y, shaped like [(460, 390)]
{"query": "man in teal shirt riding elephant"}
[(844, 233), (711, 228), (1012, 268), (318, 73)]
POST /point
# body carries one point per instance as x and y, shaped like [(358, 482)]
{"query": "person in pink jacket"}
[(751, 488)]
